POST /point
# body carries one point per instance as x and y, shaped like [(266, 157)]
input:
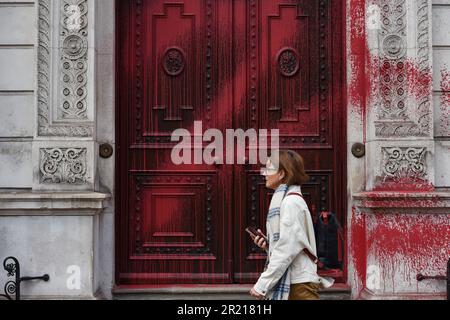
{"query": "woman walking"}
[(291, 270)]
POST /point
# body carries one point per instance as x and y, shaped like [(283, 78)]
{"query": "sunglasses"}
[(268, 171)]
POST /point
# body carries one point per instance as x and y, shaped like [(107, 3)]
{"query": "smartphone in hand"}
[(253, 232)]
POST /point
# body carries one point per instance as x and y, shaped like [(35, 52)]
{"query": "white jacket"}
[(296, 234)]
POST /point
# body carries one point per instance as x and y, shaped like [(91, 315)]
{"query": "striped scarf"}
[(281, 289)]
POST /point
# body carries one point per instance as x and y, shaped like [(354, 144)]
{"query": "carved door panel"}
[(229, 64), (289, 56), (173, 218)]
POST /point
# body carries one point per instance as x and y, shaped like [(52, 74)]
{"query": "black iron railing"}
[(421, 277), (12, 287)]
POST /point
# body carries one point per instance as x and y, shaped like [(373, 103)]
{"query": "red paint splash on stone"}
[(402, 78), (390, 201), (445, 83), (359, 58), (358, 248), (405, 185), (420, 80), (408, 244), (393, 81)]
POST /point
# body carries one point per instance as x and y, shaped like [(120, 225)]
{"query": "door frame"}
[(339, 85)]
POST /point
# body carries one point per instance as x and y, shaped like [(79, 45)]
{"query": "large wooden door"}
[(262, 64)]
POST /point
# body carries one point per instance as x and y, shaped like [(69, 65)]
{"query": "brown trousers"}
[(304, 291)]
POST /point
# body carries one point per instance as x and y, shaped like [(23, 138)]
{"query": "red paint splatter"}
[(387, 201), (420, 81), (359, 57), (358, 248), (445, 82), (405, 184), (407, 244), (402, 78)]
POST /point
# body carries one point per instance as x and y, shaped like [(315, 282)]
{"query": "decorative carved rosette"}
[(174, 61), (288, 62)]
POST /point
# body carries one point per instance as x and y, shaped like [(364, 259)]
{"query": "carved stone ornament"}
[(392, 61), (394, 46), (72, 64), (404, 162), (398, 116), (74, 48), (63, 166)]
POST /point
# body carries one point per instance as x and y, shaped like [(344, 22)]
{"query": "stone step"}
[(208, 292)]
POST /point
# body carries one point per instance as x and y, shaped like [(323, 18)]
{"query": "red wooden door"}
[(290, 60), (230, 64)]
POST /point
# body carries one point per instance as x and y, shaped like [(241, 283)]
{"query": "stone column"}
[(398, 223), (64, 150), (54, 228), (400, 146)]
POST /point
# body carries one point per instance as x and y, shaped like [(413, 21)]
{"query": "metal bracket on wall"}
[(12, 266)]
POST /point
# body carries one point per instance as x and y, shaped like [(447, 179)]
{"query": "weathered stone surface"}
[(16, 168), (442, 163), (17, 66), (17, 115), (53, 233), (20, 21)]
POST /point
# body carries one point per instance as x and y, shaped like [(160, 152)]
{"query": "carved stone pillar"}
[(63, 213), (400, 115), (398, 223), (64, 150)]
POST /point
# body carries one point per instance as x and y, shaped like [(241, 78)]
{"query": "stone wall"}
[(398, 218), (17, 92), (51, 215), (441, 89)]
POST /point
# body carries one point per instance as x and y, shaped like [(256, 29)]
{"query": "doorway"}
[(248, 64)]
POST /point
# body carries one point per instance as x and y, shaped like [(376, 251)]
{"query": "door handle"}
[(358, 150), (106, 151)]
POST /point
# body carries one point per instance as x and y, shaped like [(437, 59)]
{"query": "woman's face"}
[(273, 176)]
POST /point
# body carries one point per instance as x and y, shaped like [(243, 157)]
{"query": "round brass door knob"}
[(358, 150), (106, 151)]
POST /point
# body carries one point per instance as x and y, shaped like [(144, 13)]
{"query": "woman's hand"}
[(260, 242), (256, 295)]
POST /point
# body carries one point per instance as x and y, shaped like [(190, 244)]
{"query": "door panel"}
[(288, 85), (173, 218), (262, 64)]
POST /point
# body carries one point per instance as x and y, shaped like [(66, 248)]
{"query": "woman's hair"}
[(292, 164)]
